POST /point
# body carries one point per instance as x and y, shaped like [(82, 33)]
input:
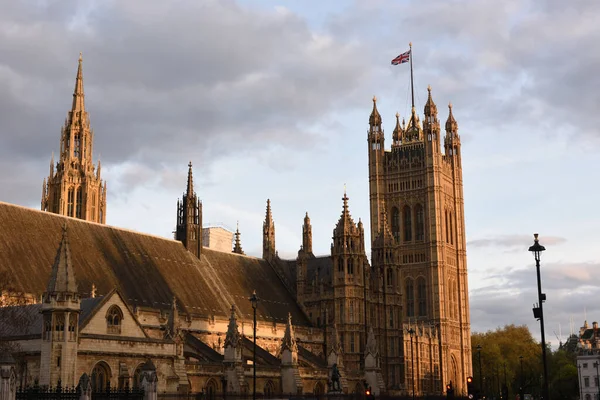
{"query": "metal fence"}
[(330, 396), (72, 393)]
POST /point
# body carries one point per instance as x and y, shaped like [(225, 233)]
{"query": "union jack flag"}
[(402, 58)]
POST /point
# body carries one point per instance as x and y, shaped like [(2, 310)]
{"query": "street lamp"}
[(480, 373), (411, 332), (538, 312), (254, 300)]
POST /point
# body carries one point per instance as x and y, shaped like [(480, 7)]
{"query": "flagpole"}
[(412, 88)]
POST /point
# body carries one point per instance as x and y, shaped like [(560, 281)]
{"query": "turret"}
[(375, 139), (452, 139), (189, 218), (60, 315), (237, 247), (431, 126), (307, 235), (268, 234), (398, 133)]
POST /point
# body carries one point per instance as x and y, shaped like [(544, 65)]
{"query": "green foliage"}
[(501, 350)]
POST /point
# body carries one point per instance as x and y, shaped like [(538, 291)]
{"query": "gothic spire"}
[(237, 248), (375, 118), (307, 235), (232, 338), (430, 107), (451, 124), (190, 182), (345, 222), (398, 131), (268, 216), (78, 96), (268, 234), (289, 337), (62, 277)]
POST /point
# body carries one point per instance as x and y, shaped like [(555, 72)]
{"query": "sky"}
[(271, 99)]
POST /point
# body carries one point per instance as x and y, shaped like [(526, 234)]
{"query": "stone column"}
[(8, 377)]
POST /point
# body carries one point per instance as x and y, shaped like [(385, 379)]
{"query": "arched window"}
[(78, 203), (319, 389), (114, 318), (351, 312), (100, 377), (350, 266), (389, 277), (422, 295), (72, 326), (341, 313), (450, 228), (396, 223), (137, 376), (70, 199), (455, 297), (419, 223), (211, 389), (269, 389), (410, 298), (407, 224), (76, 149), (47, 327), (56, 202), (340, 264), (447, 237), (94, 206), (59, 326)]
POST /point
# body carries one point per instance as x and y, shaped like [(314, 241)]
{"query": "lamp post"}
[(254, 300), (580, 383), (480, 373), (538, 312), (411, 332)]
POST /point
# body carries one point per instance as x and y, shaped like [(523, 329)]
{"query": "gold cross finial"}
[(429, 88), (397, 115), (450, 105), (80, 56), (410, 45), (374, 99)]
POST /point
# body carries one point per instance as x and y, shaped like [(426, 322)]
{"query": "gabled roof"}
[(148, 270)]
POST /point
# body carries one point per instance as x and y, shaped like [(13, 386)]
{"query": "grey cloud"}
[(514, 241)]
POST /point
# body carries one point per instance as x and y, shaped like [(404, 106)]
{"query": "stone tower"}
[(60, 316), (74, 187), (189, 218), (348, 280), (269, 234), (307, 235), (418, 190)]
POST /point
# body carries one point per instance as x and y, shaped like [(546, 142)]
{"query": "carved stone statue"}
[(335, 379)]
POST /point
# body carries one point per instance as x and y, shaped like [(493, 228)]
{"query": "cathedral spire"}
[(268, 234), (307, 235), (62, 277), (375, 117), (237, 248), (78, 96), (190, 182)]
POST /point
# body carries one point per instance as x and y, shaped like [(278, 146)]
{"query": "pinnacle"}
[(78, 94), (375, 118), (190, 182), (62, 278)]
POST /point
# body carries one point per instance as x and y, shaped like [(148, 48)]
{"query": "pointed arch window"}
[(114, 319), (100, 377), (79, 200), (390, 277), (77, 146), (422, 296), (446, 216), (410, 298), (93, 206), (340, 264), (351, 311), (396, 223), (47, 327), (419, 223), (450, 228), (70, 200), (407, 224), (72, 327), (56, 201), (350, 266), (59, 326)]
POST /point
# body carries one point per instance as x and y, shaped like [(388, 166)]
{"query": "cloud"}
[(514, 241)]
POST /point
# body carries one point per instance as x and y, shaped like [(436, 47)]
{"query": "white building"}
[(588, 362)]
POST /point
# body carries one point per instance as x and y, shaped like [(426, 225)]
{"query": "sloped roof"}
[(148, 270)]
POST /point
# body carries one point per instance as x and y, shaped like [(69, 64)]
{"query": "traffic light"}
[(470, 387)]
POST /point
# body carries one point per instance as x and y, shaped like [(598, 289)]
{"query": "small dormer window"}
[(114, 319)]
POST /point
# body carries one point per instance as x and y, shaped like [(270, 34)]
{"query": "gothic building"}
[(74, 187), (118, 300)]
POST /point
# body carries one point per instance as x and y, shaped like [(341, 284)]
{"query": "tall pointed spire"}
[(451, 124), (375, 117), (190, 182), (237, 248), (268, 234), (78, 96), (62, 277), (289, 337)]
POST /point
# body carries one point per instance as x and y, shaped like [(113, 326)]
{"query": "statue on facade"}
[(335, 379)]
